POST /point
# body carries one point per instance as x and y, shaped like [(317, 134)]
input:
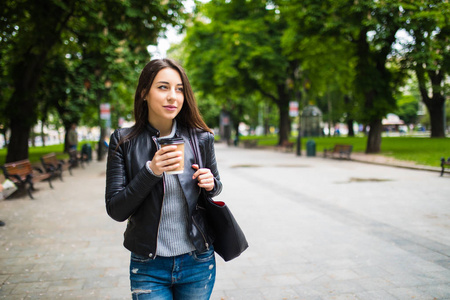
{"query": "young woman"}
[(171, 252)]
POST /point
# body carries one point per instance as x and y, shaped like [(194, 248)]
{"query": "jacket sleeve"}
[(124, 195), (211, 164)]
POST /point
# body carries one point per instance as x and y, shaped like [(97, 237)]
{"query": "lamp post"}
[(104, 114)]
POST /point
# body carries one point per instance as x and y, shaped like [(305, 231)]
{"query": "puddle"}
[(269, 166), (356, 179), (246, 166)]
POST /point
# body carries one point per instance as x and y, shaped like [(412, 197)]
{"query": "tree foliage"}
[(60, 54), (427, 54), (233, 52), (368, 29)]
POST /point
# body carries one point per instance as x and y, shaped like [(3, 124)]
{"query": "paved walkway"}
[(318, 229)]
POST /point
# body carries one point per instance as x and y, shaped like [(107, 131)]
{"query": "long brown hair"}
[(189, 116)]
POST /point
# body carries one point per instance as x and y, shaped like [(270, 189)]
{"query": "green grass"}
[(425, 151), (35, 153)]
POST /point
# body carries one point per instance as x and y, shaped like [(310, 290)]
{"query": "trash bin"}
[(86, 152), (310, 148)]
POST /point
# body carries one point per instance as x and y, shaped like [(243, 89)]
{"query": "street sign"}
[(293, 108), (105, 111)]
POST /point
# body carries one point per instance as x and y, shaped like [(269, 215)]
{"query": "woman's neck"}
[(164, 129)]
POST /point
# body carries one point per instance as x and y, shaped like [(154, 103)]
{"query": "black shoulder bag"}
[(229, 240)]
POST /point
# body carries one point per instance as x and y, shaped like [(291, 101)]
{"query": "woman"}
[(171, 251)]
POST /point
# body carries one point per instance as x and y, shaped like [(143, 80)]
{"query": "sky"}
[(160, 50)]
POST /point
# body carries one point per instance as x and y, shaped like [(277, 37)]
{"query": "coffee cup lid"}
[(170, 141)]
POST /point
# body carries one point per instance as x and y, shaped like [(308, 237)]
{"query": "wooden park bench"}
[(53, 165), (444, 164), (75, 159), (250, 143), (339, 150), (24, 175), (286, 146)]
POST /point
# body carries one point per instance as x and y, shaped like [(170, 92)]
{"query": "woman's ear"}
[(143, 95)]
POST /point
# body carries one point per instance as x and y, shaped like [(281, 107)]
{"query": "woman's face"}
[(165, 98)]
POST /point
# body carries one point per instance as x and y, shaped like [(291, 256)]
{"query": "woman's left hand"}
[(204, 176)]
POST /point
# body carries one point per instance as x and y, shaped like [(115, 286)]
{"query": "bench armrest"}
[(9, 176), (38, 169)]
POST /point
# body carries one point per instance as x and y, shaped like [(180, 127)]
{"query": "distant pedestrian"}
[(72, 137), (171, 252), (6, 189)]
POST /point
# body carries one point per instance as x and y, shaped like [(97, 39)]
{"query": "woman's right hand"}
[(165, 159)]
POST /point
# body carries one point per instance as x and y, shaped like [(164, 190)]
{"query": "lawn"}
[(35, 153), (425, 151)]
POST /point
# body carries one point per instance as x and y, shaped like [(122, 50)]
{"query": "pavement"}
[(317, 228)]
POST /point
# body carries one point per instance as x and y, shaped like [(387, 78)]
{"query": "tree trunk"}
[(285, 121), (42, 133), (374, 139), (437, 111), (285, 124), (101, 150), (436, 103), (18, 143), (22, 105), (330, 111), (66, 140), (32, 138), (351, 132)]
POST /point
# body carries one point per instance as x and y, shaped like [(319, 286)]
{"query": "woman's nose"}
[(172, 94)]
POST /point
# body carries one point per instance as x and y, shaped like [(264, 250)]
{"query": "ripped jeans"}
[(189, 276)]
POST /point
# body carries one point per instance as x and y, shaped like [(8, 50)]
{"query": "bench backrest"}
[(50, 159), (21, 168), (73, 153), (343, 148)]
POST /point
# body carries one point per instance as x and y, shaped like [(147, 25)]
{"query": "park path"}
[(317, 228)]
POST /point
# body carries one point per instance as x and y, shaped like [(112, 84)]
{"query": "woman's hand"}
[(166, 159), (204, 176)]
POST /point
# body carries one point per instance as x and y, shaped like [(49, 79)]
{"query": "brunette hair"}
[(189, 116)]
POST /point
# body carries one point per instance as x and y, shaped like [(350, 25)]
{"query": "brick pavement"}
[(318, 229)]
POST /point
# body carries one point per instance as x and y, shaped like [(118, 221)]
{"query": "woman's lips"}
[(170, 107)]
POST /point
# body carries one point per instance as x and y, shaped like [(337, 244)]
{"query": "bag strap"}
[(193, 140), (195, 147)]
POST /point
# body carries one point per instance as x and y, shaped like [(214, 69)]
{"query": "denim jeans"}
[(189, 276)]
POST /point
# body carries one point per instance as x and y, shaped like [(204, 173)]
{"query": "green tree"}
[(427, 53), (407, 107), (233, 52), (327, 64), (34, 34), (369, 29)]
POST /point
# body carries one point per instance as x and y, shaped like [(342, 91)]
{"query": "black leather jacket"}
[(136, 195)]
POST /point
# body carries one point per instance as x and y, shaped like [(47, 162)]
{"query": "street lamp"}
[(101, 143)]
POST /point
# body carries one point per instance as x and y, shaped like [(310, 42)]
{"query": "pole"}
[(299, 136)]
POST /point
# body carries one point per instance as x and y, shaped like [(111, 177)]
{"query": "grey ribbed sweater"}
[(173, 234)]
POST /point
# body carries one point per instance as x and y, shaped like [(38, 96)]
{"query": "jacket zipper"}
[(198, 228), (162, 203)]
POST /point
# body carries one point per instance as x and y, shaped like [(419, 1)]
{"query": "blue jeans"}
[(189, 276)]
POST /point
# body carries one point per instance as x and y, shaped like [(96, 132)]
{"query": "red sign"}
[(105, 111), (293, 108)]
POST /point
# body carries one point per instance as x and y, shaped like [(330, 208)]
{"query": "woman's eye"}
[(180, 89), (163, 87)]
